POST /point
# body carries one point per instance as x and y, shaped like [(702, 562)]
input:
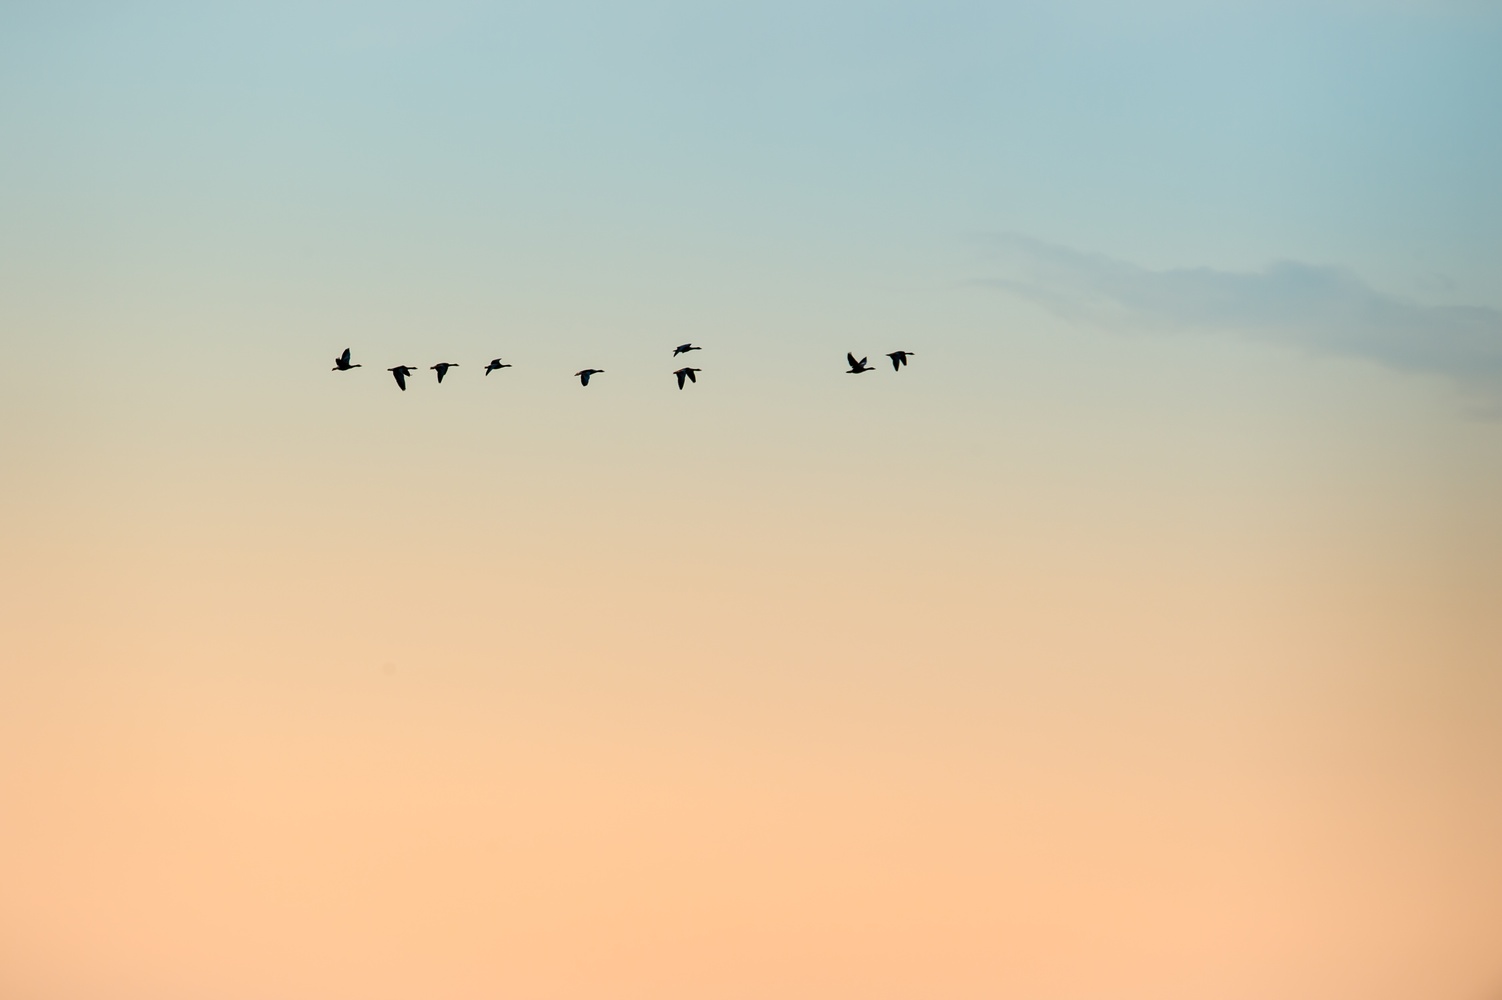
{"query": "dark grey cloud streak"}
[(1326, 310)]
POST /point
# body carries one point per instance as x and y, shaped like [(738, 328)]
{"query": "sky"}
[(1138, 640)]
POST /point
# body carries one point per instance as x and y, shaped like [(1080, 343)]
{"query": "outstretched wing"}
[(344, 358), (851, 358), (584, 377), (691, 377), (680, 375), (401, 378)]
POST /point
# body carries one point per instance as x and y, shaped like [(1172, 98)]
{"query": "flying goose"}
[(495, 366), (857, 367), (899, 358), (341, 363), (688, 373), (400, 373), (684, 349), (442, 368), (583, 376)]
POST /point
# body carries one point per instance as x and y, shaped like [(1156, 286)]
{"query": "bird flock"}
[(401, 373)]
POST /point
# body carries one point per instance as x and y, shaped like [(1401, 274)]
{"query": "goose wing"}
[(344, 358), (691, 377)]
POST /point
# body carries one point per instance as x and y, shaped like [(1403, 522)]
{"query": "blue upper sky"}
[(1173, 132), (663, 156)]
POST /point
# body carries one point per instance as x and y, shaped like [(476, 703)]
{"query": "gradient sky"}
[(1139, 642)]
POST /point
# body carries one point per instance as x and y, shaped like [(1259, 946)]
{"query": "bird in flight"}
[(495, 366), (684, 349), (442, 368), (341, 363), (400, 373), (687, 373), (899, 358), (583, 376), (857, 367)]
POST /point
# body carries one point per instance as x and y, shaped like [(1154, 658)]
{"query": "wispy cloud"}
[(1322, 309)]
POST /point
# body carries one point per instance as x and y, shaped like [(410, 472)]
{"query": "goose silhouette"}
[(857, 367), (495, 366), (341, 363), (583, 376), (442, 368), (687, 373), (684, 349), (400, 373), (899, 358)]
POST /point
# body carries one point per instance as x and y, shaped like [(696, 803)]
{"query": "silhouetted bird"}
[(684, 349), (899, 358), (583, 376), (688, 373), (442, 368), (857, 367), (400, 373), (341, 363), (495, 366)]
